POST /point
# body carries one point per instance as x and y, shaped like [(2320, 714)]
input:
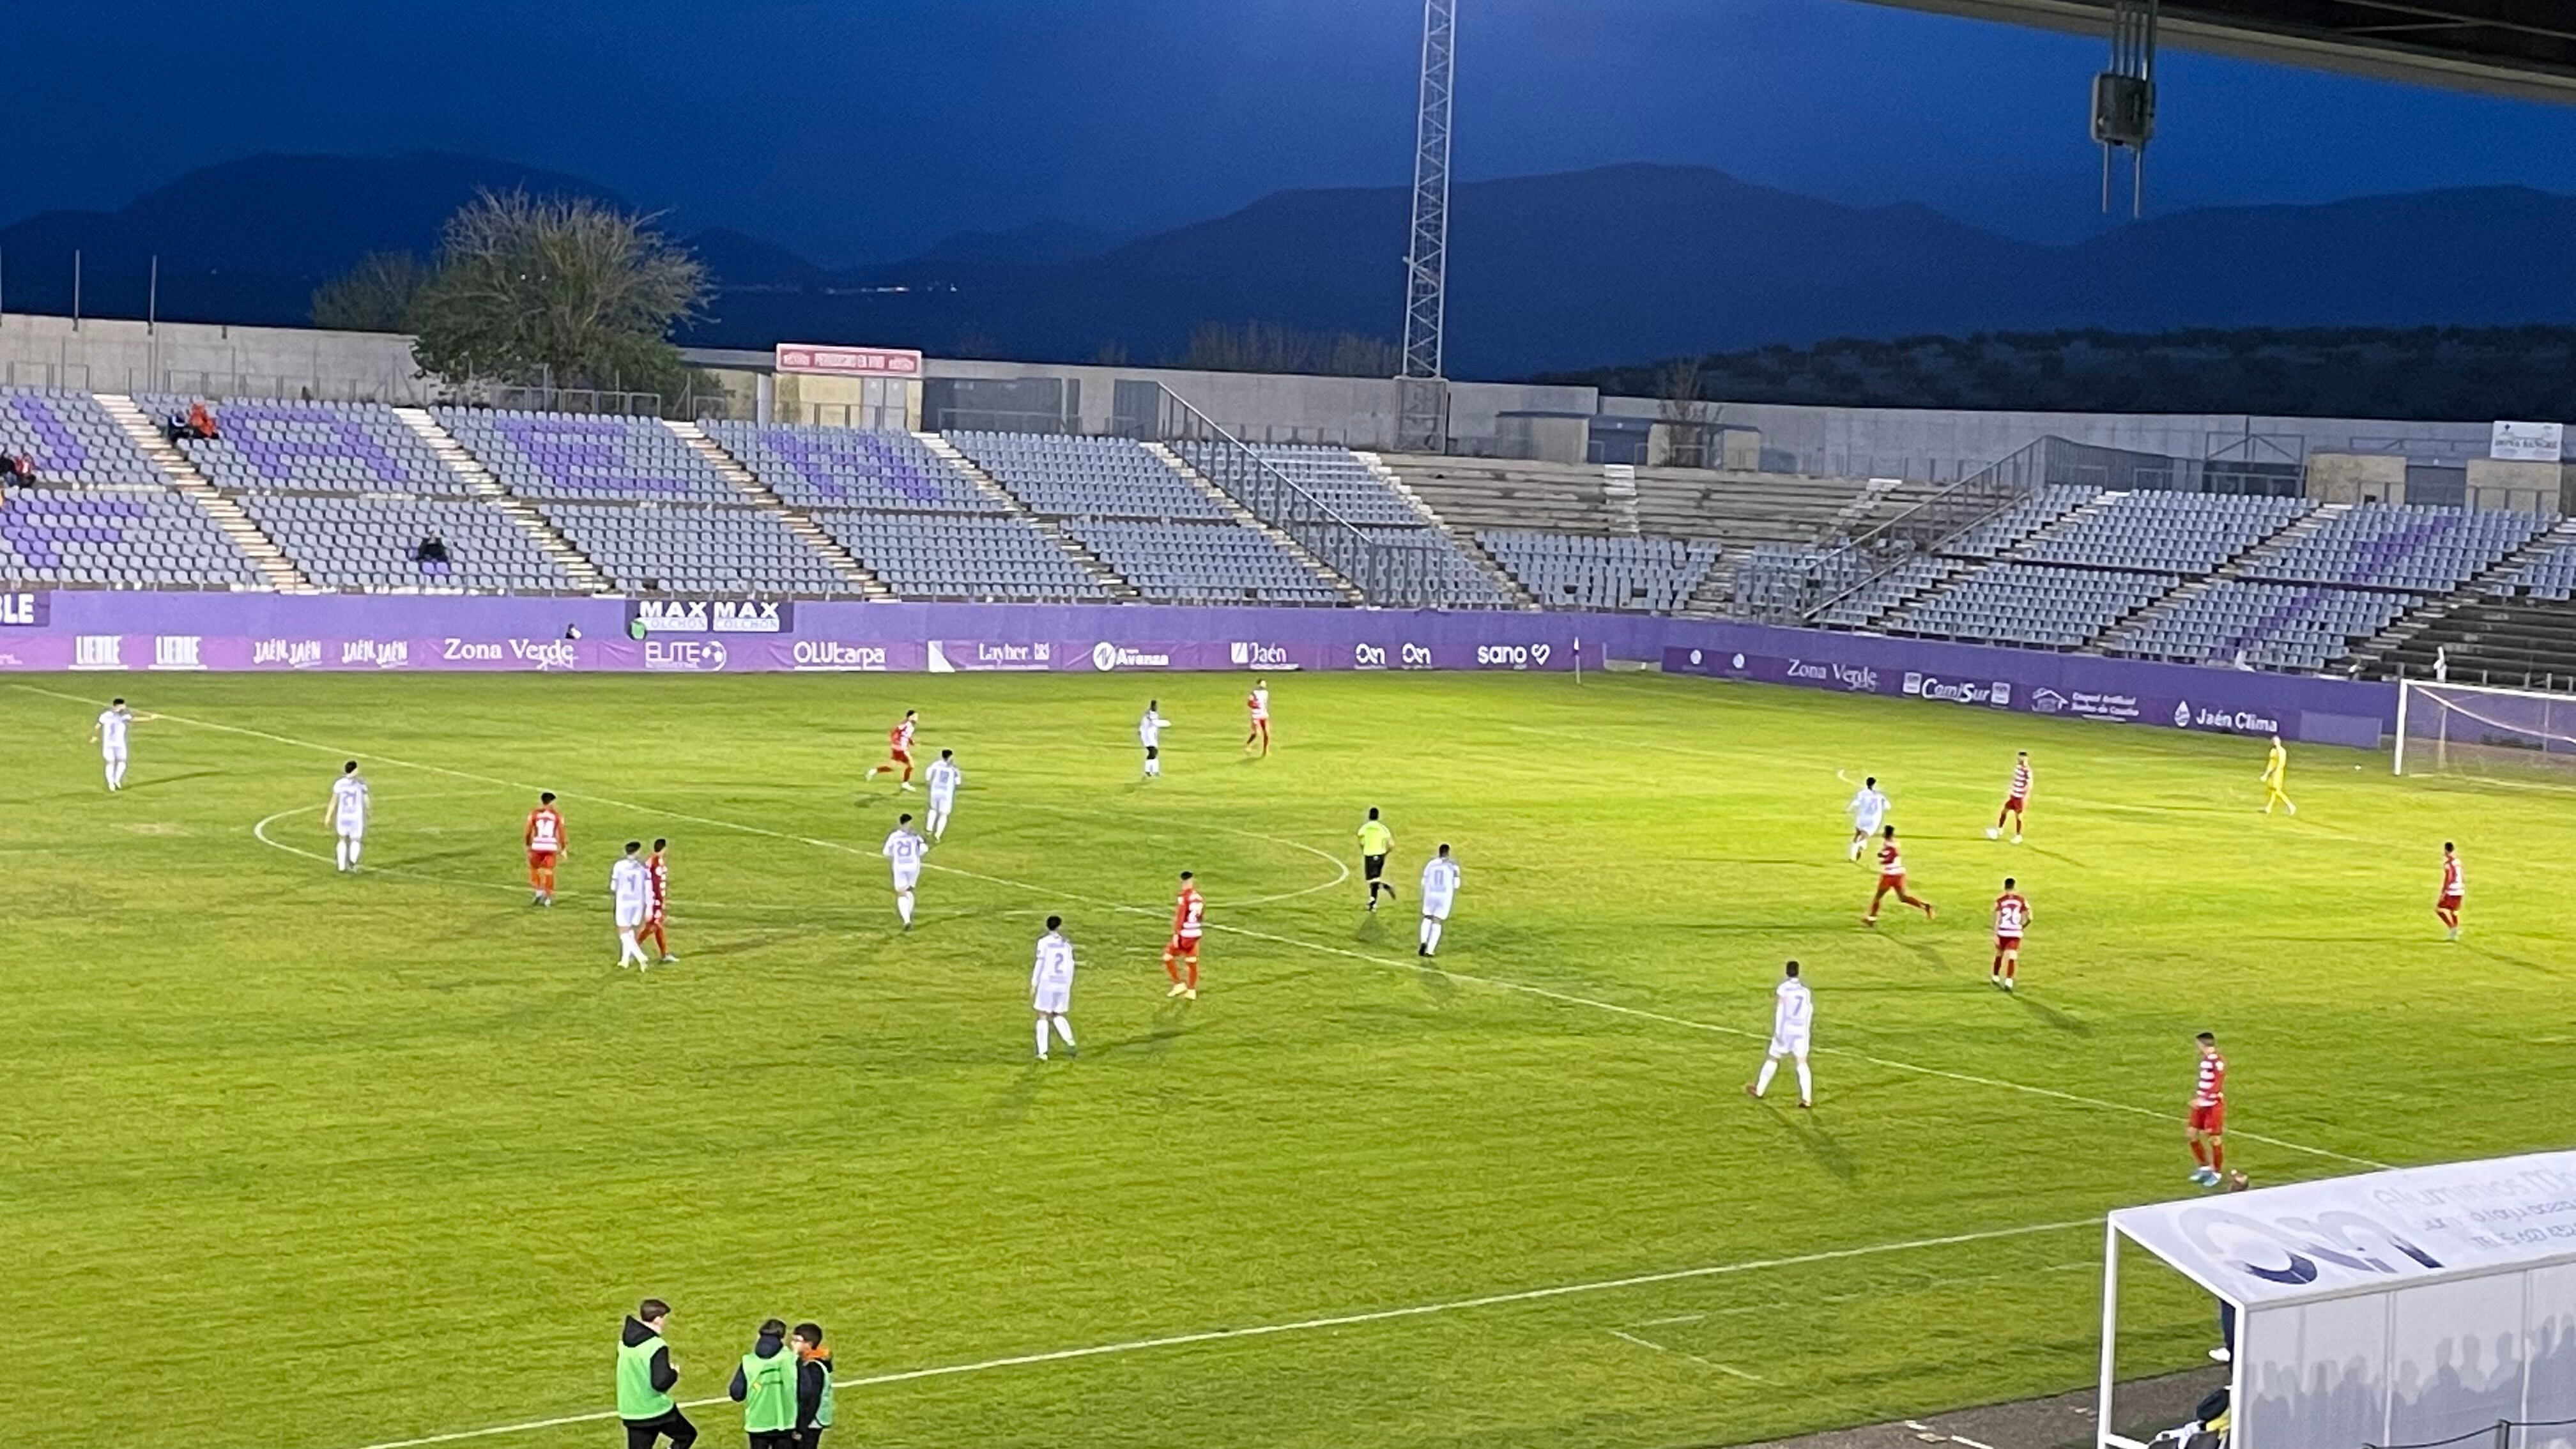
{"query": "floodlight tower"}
[(1421, 390)]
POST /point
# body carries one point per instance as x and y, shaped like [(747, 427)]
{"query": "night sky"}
[(863, 129)]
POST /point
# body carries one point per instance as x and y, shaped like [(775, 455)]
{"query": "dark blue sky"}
[(861, 129)]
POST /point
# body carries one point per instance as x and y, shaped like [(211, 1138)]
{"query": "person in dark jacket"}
[(645, 1379), (764, 1383), (813, 1386)]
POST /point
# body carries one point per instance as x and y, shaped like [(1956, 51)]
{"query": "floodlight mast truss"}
[(1422, 422)]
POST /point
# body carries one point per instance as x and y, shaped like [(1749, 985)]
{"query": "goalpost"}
[(2478, 729)]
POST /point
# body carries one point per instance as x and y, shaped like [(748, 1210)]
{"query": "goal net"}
[(2476, 729)]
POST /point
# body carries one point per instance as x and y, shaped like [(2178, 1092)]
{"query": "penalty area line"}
[(1310, 1325)]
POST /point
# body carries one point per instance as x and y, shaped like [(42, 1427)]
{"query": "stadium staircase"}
[(1864, 503), (2233, 567), (1246, 518), (484, 485), (275, 568), (799, 523), (1465, 538), (1101, 573), (2485, 637)]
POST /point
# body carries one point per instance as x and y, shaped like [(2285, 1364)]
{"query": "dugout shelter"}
[(2410, 1306)]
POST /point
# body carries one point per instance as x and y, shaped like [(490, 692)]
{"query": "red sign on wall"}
[(848, 361)]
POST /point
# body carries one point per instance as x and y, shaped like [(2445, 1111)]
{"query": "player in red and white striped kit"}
[(1891, 878), (2014, 800), (2012, 913), (2447, 906), (899, 748), (2208, 1130)]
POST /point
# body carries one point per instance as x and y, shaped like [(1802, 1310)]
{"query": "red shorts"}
[(2447, 903), (541, 858), (901, 757), (1891, 883), (2211, 1119), (1183, 946), (2007, 943), (2014, 803)]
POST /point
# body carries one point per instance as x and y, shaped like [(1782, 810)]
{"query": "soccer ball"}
[(1992, 832)]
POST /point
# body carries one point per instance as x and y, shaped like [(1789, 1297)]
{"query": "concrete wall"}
[(113, 355), (2356, 477), (2526, 487)]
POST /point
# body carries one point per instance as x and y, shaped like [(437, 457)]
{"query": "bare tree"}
[(563, 291), (1685, 414)]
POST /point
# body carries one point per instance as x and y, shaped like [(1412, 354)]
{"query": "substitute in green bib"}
[(813, 1386), (765, 1386), (645, 1379)]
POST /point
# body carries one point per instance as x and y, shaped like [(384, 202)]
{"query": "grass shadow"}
[(2072, 1025)]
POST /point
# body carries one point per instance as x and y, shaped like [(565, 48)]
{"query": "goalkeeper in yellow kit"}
[(2276, 778)]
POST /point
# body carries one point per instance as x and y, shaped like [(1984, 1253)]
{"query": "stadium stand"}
[(2176, 533), (2261, 624), (71, 439), (2000, 534), (374, 543), (1580, 571), (311, 447), (560, 455), (697, 548), (2034, 605), (1335, 477), (1198, 563), (2419, 550), (1061, 477), (960, 556), (126, 536), (812, 467)]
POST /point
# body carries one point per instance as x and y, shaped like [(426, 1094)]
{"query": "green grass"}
[(298, 1159)]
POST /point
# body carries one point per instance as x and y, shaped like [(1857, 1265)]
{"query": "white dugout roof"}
[(2399, 1307)]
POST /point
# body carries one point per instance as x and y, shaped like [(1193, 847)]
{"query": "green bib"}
[(823, 1410), (769, 1392), (636, 1396)]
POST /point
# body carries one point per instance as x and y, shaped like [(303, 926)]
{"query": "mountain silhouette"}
[(1573, 270)]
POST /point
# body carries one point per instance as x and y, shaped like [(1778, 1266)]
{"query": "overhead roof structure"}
[(2521, 48)]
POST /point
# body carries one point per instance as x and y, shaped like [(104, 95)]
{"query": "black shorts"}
[(1152, 750), (1372, 866)]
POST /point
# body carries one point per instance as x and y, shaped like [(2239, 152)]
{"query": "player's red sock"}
[(2218, 1157), (2200, 1152)]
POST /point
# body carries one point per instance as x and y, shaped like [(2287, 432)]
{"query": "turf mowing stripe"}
[(1308, 1325), (1389, 963)]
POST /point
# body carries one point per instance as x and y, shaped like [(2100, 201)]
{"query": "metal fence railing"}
[(2505, 1434)]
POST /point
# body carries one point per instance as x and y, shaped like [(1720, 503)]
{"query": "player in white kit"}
[(1868, 810), (1439, 893), (349, 806), (905, 848), (110, 739), (631, 885), (1149, 733), (944, 778), (1793, 1020), (1051, 986)]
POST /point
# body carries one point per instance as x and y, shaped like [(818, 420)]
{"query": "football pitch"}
[(319, 1161)]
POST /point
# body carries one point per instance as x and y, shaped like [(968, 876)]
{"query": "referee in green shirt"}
[(1375, 842)]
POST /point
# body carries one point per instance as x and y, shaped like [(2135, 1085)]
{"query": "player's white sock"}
[(1434, 943), (1855, 850), (1806, 1082), (938, 823), (340, 854), (354, 847), (903, 906), (1041, 1038), (1063, 1028), (1770, 1069)]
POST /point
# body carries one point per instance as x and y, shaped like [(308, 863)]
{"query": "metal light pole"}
[(1421, 389)]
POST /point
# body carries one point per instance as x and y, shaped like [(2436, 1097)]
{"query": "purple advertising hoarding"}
[(101, 630)]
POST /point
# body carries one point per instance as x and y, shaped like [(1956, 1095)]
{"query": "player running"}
[(657, 875), (1793, 1024), (899, 748), (2018, 797), (631, 887), (349, 808), (1149, 733), (1439, 893), (2208, 1127), (1189, 922), (1891, 879), (1051, 986), (1258, 702), (905, 848), (2447, 905), (545, 840), (109, 736), (944, 777), (2276, 778), (1868, 810), (1375, 841), (2012, 913)]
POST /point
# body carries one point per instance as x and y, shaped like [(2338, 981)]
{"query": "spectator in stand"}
[(432, 550), (17, 470), (201, 421)]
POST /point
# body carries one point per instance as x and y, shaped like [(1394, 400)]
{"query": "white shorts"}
[(1435, 910), (629, 917), (1868, 826), (113, 754), (353, 829), (1054, 1000), (1790, 1046), (942, 803), (904, 878)]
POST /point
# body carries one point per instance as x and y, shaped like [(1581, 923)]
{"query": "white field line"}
[(1383, 962), (1310, 1325), (1694, 1358)]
